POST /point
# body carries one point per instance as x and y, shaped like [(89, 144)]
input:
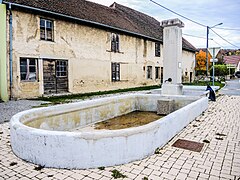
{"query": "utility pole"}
[(207, 52), (207, 45)]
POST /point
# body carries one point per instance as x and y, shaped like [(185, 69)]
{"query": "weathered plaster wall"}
[(88, 53), (3, 53), (188, 66)]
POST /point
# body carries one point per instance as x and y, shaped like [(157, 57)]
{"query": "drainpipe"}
[(10, 49)]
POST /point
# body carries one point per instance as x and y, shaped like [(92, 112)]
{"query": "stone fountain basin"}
[(51, 143)]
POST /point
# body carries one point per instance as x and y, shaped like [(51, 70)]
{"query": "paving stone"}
[(193, 174), (181, 176), (77, 176), (174, 171), (95, 175), (147, 171)]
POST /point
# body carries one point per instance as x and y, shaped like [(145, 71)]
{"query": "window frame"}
[(46, 29), (157, 49), (157, 72), (115, 69), (161, 77), (28, 67), (61, 68), (149, 72), (115, 41)]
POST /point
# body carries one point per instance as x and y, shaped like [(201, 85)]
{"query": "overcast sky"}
[(207, 12)]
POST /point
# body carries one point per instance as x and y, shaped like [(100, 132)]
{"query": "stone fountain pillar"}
[(172, 57)]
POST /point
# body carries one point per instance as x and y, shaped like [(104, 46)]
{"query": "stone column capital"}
[(172, 22)]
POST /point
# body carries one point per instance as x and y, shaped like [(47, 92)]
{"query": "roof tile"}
[(117, 16)]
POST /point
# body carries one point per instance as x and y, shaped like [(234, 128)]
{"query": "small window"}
[(115, 71), (161, 74), (46, 29), (157, 49), (186, 73), (115, 43), (28, 69), (61, 68), (157, 72), (149, 72)]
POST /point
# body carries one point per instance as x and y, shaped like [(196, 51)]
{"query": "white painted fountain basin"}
[(51, 144)]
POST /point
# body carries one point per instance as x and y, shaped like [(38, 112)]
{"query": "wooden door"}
[(61, 76), (49, 76), (55, 76)]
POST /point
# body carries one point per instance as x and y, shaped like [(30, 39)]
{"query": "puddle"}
[(133, 119)]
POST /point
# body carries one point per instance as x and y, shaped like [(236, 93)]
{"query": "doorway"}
[(55, 76)]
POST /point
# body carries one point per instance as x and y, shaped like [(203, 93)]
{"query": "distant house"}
[(232, 62), (78, 46)]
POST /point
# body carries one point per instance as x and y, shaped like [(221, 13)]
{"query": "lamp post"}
[(207, 44)]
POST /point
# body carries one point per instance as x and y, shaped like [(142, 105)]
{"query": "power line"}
[(194, 36), (178, 14), (216, 42), (202, 38), (192, 21), (231, 29), (224, 38)]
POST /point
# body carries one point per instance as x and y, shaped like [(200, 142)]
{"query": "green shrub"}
[(220, 70)]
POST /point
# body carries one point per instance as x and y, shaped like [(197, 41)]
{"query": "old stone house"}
[(76, 46)]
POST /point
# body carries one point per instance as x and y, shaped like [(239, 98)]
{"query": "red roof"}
[(235, 59)]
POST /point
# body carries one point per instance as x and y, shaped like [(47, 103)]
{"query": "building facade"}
[(51, 52)]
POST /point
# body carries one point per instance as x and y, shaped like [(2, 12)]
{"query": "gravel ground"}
[(8, 109)]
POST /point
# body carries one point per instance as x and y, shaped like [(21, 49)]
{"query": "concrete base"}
[(59, 147), (165, 106), (172, 89)]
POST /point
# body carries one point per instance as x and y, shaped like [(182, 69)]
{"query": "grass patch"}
[(220, 134), (219, 138), (116, 174), (157, 151), (204, 83), (101, 168), (38, 168), (206, 141), (13, 163), (67, 98)]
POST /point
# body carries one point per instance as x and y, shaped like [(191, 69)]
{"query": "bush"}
[(200, 72), (220, 70)]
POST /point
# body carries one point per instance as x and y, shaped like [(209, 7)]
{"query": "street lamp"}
[(207, 44)]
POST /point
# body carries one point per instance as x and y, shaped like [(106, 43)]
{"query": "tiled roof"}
[(116, 16), (234, 60)]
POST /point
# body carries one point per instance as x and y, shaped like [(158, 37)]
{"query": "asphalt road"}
[(232, 87)]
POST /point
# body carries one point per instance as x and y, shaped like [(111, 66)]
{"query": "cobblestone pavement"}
[(219, 159)]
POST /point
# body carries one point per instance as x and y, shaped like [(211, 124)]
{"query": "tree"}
[(201, 60)]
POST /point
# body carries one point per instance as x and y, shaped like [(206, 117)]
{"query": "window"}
[(157, 72), (115, 43), (157, 49), (115, 71), (28, 69), (46, 29), (161, 74), (61, 68), (149, 72)]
